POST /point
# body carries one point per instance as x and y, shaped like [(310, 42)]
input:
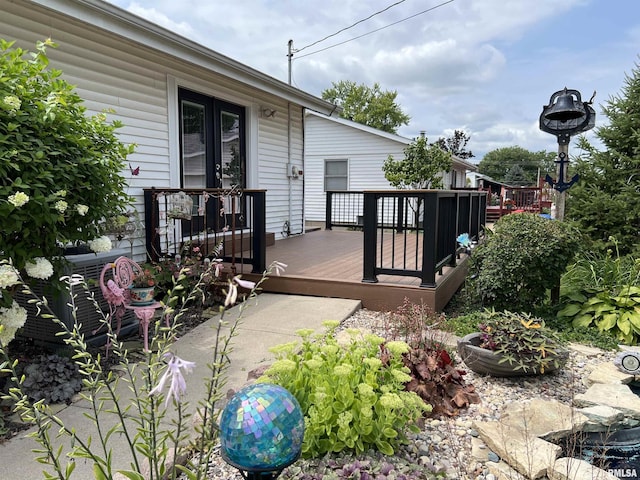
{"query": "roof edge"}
[(105, 16)]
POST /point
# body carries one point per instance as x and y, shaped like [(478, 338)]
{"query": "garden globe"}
[(261, 430)]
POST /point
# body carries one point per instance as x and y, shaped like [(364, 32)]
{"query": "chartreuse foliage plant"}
[(352, 395), (603, 291), (521, 260)]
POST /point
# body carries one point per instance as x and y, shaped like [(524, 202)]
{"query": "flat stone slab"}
[(601, 418), (574, 469), (585, 350), (613, 395), (547, 419), (607, 373), (531, 456)]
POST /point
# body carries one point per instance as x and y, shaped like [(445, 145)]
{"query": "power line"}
[(373, 31), (350, 26)]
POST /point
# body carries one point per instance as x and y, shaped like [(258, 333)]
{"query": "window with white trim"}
[(336, 175)]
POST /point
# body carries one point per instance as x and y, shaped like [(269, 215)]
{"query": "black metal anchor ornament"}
[(561, 185)]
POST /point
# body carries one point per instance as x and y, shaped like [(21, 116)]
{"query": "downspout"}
[(286, 228)]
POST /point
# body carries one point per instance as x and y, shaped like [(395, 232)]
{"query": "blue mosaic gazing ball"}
[(262, 428)]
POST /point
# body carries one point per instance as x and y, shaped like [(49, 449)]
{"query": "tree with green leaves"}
[(606, 200), (421, 167), (370, 106), (497, 163), (456, 144)]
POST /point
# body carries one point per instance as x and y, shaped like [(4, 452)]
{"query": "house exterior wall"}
[(364, 151), (140, 85)]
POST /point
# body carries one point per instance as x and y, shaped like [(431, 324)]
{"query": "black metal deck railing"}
[(232, 221), (408, 232)]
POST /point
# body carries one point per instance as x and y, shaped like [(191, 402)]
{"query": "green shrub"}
[(523, 258), (352, 395), (60, 169), (602, 291)]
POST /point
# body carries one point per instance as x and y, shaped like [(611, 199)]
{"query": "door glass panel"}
[(233, 167), (194, 148)]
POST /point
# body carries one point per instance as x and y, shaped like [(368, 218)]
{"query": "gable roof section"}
[(134, 29), (458, 162), (362, 128)]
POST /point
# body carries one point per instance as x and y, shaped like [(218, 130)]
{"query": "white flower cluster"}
[(82, 209), (8, 276), (11, 319), (18, 199), (39, 267), (61, 206), (13, 102), (100, 244)]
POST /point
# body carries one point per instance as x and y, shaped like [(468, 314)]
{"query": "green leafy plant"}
[(53, 378), (352, 396), (602, 290), (521, 340), (60, 169), (434, 377), (521, 260)]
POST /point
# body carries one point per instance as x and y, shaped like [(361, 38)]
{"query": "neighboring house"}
[(198, 118), (345, 155)]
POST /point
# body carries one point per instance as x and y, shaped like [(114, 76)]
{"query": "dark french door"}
[(212, 155)]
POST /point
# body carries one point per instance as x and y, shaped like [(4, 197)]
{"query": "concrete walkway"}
[(268, 321)]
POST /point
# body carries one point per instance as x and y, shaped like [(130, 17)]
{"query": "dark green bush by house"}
[(520, 260)]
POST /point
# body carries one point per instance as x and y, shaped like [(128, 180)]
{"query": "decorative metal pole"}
[(565, 116)]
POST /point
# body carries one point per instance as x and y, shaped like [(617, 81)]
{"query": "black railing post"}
[(259, 232), (369, 223), (152, 223), (400, 224), (429, 239), (328, 211)]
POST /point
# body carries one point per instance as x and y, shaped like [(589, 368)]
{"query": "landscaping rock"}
[(574, 469), (546, 419), (529, 455), (602, 418), (613, 395), (607, 373)]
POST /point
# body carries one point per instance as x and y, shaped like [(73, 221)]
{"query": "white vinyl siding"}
[(327, 140), (111, 73)]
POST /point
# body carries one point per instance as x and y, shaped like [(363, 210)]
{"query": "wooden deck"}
[(328, 263)]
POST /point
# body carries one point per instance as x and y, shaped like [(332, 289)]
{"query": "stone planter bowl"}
[(486, 362)]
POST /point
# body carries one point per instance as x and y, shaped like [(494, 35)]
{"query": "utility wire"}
[(350, 26), (373, 31)]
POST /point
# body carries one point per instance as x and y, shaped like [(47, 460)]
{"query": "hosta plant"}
[(607, 311), (353, 396), (602, 291)]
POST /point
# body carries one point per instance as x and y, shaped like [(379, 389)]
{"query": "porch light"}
[(564, 116), (261, 431)]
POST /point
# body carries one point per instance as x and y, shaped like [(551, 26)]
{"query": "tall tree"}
[(606, 200), (421, 167), (456, 144), (367, 105), (497, 163)]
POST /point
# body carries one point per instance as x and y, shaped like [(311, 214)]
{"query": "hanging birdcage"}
[(179, 206)]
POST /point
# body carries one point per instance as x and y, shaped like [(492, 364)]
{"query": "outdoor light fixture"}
[(628, 362), (564, 116), (261, 431)]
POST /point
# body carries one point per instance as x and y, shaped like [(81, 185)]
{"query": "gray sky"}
[(483, 66)]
